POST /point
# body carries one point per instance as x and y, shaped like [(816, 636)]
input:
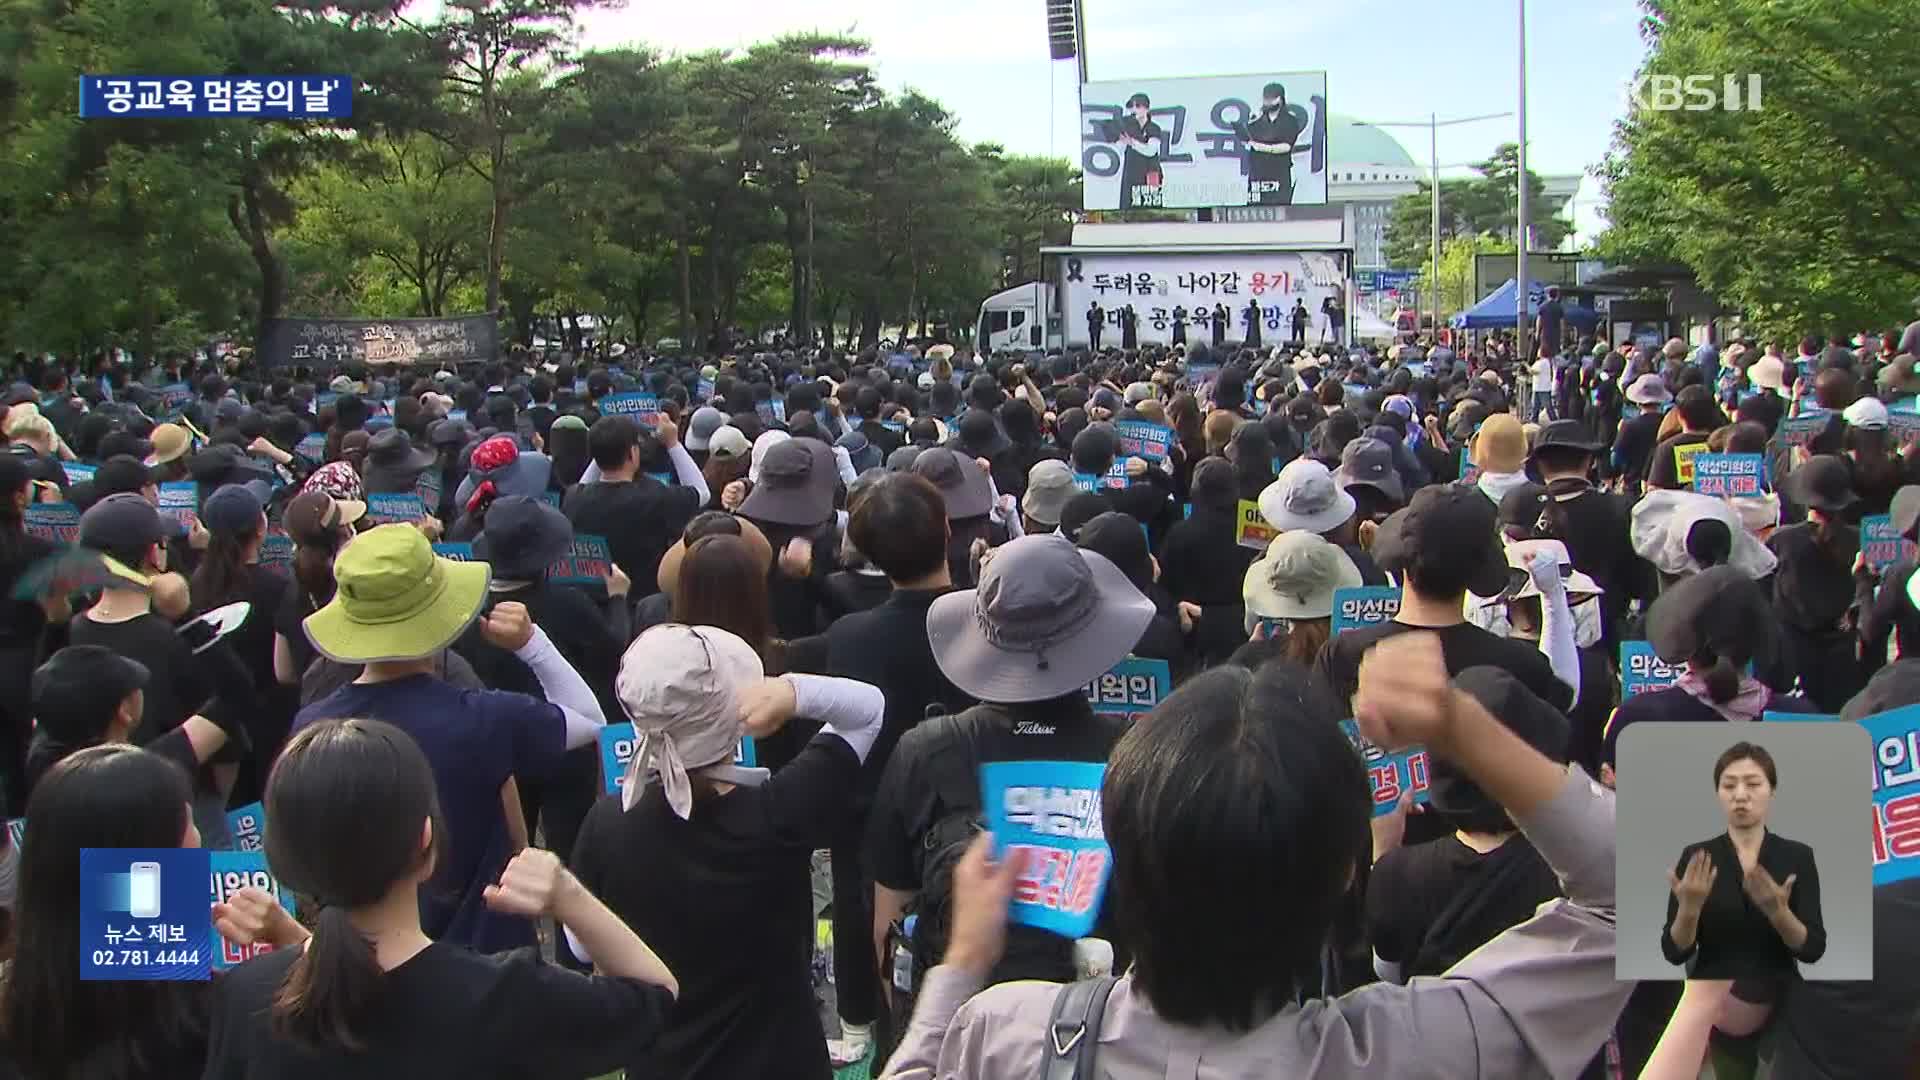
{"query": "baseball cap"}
[(728, 442), (1445, 525), (121, 474), (236, 508), (123, 524), (1049, 486), (706, 420), (314, 516), (1867, 414)]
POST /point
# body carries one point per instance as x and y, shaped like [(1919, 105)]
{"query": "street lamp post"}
[(1433, 124)]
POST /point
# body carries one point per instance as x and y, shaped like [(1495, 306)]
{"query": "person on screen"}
[(1270, 135), (1746, 903), (1140, 159)]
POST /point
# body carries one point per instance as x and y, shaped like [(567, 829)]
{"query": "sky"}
[(1386, 60)]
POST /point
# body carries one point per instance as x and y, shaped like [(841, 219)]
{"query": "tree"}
[(1800, 211), (1481, 206), (1457, 256), (1038, 200)]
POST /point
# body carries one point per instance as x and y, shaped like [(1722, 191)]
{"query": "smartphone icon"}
[(144, 892)]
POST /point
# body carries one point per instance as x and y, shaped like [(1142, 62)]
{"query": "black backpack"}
[(957, 785)]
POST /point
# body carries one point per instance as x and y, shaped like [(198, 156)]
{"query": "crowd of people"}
[(835, 586)]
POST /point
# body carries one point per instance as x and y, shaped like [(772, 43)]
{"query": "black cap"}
[(121, 474), (1522, 508), (1566, 434), (1822, 482), (1081, 509), (236, 508), (122, 523), (124, 443), (1445, 525), (522, 537), (76, 691)]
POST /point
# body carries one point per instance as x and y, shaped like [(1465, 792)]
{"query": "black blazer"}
[(1734, 939)]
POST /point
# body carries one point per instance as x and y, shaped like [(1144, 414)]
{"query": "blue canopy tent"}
[(1497, 312)]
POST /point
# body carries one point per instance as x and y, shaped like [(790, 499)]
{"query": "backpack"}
[(945, 843)]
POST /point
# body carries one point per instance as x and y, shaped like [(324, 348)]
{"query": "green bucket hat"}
[(395, 599)]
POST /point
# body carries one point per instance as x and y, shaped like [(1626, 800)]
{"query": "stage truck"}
[(1176, 293)]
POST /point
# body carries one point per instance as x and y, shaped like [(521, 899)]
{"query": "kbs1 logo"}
[(1695, 93)]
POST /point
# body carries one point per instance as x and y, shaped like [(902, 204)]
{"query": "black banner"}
[(325, 343)]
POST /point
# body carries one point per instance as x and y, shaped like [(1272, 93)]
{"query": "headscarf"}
[(680, 685)]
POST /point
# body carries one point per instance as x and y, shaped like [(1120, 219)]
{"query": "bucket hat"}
[(391, 451), (1719, 610), (1046, 619), (522, 537), (508, 470), (679, 685), (1822, 482), (1564, 434), (395, 599), (1768, 373), (1050, 485), (796, 485), (1662, 521), (1649, 389), (1500, 446), (169, 441), (967, 490), (1368, 463), (1296, 577), (1305, 497)]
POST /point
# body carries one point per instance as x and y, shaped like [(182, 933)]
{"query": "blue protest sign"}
[(771, 411), (76, 472), (144, 914), (1469, 472), (313, 447), (229, 872), (248, 825), (704, 389), (1796, 717), (1804, 428), (588, 563), (276, 550), (894, 426), (456, 552), (180, 500), (1131, 687), (1641, 670), (616, 750), (1086, 482), (1880, 545), (1047, 813), (1903, 424), (1895, 737), (57, 523), (174, 397), (1367, 605), (427, 486), (1390, 774), (1144, 439), (395, 508), (663, 477), (644, 408), (1740, 476)]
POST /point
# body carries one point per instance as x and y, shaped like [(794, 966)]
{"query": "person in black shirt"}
[(1251, 316), (1699, 416), (1443, 544), (22, 625), (356, 826), (1120, 539), (1300, 317), (1639, 433), (1747, 902), (1270, 135), (1129, 328), (900, 525), (1096, 324), (1140, 165), (1813, 583), (639, 516)]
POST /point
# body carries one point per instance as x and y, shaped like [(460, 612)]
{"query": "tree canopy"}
[(491, 164), (1480, 207)]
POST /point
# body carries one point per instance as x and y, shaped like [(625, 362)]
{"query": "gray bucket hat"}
[(967, 490), (1305, 497), (797, 482), (1046, 619)]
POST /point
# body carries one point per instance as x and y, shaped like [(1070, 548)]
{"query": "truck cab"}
[(1019, 318)]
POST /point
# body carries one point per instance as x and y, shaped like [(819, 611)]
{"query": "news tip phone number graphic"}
[(287, 97)]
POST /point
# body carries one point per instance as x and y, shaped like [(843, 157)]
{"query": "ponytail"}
[(221, 576), (330, 988), (1722, 679)]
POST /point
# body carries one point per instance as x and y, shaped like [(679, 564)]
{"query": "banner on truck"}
[(1234, 140), (1186, 292)]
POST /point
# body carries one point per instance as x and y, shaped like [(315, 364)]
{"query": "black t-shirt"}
[(288, 622), (1664, 470), (641, 518), (1734, 938), (21, 620), (1812, 587), (446, 1013), (1430, 904), (726, 899), (1465, 645), (177, 686), (887, 647), (1633, 448)]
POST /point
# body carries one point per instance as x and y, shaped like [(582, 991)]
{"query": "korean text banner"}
[(1187, 292), (1231, 140), (1641, 670), (1881, 546), (320, 343), (1366, 605), (1048, 813), (269, 97), (229, 872), (1131, 687), (1390, 773)]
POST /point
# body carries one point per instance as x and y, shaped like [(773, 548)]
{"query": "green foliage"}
[(491, 165), (1800, 213), (1479, 207)]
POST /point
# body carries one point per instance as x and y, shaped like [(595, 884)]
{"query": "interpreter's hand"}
[(431, 526), (1692, 886), (667, 431), (618, 583), (251, 916), (1405, 696), (197, 536), (796, 559), (1390, 829), (508, 626), (1189, 614), (982, 894), (766, 706), (170, 596), (733, 495), (1136, 468), (531, 885), (1767, 894)]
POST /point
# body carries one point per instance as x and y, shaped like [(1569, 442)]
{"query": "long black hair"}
[(14, 478), (221, 577), (55, 1025), (347, 801)]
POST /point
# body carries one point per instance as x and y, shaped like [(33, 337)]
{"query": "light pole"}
[(1433, 124), (1523, 285)]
